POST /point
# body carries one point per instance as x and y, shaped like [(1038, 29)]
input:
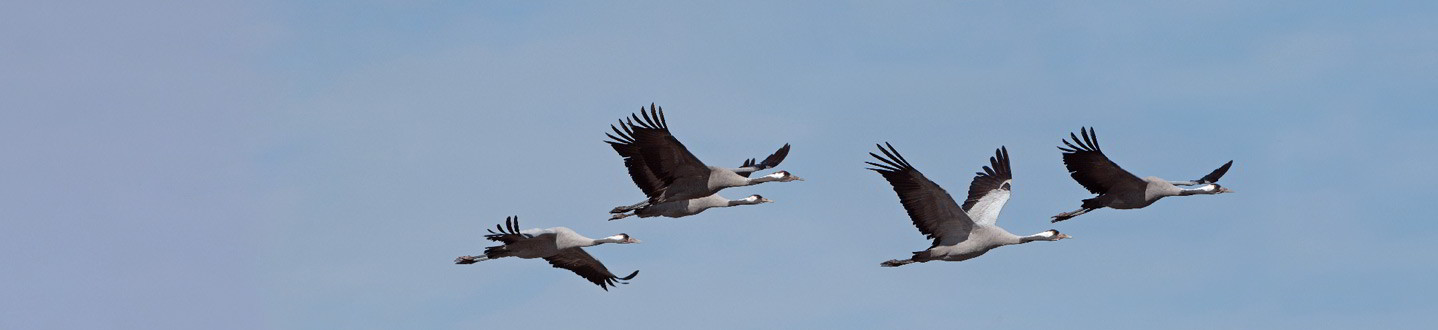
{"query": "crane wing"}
[(990, 189), (1218, 173), (665, 157), (580, 262), (932, 209), (628, 148), (747, 164), (509, 233), (1091, 168)]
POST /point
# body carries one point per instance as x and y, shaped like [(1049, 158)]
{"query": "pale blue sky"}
[(318, 165)]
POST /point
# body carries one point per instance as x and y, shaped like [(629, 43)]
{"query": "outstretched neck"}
[(604, 240), (737, 202), (1041, 236), (1202, 190), (762, 179)]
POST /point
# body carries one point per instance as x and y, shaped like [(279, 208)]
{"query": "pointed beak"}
[(798, 178), (765, 200), (631, 240), (1224, 190), (1063, 236)]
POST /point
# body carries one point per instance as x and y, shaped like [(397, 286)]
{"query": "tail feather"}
[(495, 252)]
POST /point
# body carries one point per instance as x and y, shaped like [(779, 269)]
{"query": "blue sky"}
[(318, 165)]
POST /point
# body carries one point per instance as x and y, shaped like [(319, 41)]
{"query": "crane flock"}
[(677, 184)]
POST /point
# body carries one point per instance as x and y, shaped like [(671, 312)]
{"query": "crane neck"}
[(1041, 236), (610, 239), (1207, 189), (742, 201), (762, 179)]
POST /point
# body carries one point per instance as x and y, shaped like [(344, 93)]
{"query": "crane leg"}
[(622, 209), (465, 260), (896, 262), (1068, 215)]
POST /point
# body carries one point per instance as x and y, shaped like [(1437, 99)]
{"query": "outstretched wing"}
[(933, 211), (990, 189), (580, 262), (775, 158), (1091, 168), (747, 163), (627, 147), (668, 159), (509, 233), (1218, 173)]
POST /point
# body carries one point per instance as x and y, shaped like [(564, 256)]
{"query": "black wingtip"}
[(630, 277), (891, 163), (1213, 177), (895, 155), (774, 159)]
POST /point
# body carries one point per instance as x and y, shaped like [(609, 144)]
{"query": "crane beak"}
[(798, 178), (631, 240), (765, 200), (1224, 190), (1063, 236)]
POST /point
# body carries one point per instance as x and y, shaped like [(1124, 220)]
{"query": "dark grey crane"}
[(562, 247), (666, 171), (688, 207), (1119, 189), (959, 233)]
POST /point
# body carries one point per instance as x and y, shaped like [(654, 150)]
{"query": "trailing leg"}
[(622, 209), (897, 262), (465, 260), (1068, 215)]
